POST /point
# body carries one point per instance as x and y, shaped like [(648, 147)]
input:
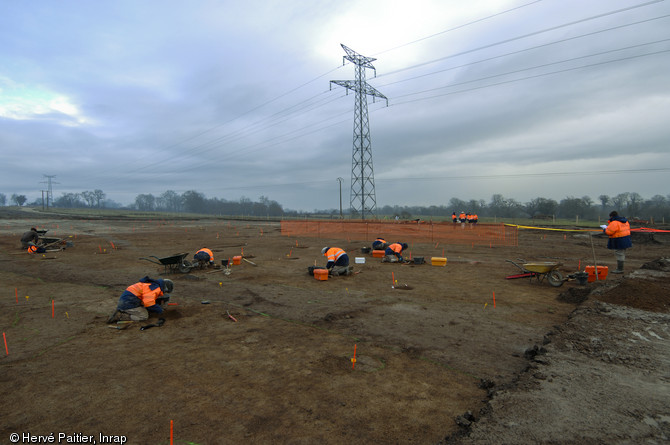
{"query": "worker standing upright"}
[(618, 230)]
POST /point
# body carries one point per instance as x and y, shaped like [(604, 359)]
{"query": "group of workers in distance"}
[(464, 218)]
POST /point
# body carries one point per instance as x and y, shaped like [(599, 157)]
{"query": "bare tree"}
[(19, 200)]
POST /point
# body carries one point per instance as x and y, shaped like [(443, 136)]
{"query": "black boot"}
[(619, 267)]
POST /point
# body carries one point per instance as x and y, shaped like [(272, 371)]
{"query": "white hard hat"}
[(324, 250)]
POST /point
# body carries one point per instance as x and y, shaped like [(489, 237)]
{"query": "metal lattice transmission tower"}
[(362, 197), (50, 192)]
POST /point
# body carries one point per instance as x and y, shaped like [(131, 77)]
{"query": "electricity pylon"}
[(362, 197), (50, 192)]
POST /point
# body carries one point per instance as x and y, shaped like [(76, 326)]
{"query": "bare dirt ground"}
[(438, 360)]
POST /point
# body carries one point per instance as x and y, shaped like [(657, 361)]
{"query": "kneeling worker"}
[(393, 253), (379, 244), (143, 297), (30, 238), (204, 255), (338, 261)]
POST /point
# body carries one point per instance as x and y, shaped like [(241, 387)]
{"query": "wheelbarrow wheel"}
[(185, 266), (555, 278)]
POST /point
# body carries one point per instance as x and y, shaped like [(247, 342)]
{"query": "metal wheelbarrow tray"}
[(172, 264), (539, 270)]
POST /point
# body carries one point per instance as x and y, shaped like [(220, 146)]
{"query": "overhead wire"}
[(512, 53), (303, 107), (523, 36), (537, 75), (275, 141)]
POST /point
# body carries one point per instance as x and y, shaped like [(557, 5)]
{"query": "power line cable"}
[(455, 28), (523, 36), (519, 79), (488, 59)]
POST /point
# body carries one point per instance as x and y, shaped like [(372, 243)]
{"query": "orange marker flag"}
[(52, 309), (5, 339), (353, 360), (494, 299)]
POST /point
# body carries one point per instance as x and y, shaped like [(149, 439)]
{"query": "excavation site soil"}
[(262, 352)]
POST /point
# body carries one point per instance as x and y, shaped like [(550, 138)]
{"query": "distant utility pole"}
[(50, 192), (362, 197), (340, 181)]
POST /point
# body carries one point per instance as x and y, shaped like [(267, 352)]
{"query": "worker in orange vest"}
[(618, 230), (393, 253), (474, 218), (204, 256), (35, 249), (147, 295), (379, 244), (338, 261), (454, 218), (462, 217)]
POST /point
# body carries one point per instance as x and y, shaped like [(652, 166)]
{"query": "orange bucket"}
[(321, 274), (591, 270), (237, 259)]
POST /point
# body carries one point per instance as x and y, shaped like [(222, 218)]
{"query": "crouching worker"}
[(204, 256), (338, 261), (30, 238), (147, 295), (393, 253), (379, 244)]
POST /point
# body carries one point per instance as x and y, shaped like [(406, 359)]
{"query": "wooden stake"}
[(494, 299), (52, 309), (353, 360), (5, 339)]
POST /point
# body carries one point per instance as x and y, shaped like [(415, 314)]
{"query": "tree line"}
[(629, 204)]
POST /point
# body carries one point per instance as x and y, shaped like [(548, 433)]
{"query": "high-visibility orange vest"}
[(145, 293), (334, 253), (396, 247), (208, 252), (617, 229)]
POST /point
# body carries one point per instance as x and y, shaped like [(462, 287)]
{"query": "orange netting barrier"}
[(448, 232)]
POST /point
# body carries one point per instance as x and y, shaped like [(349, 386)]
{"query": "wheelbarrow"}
[(172, 264), (538, 270)]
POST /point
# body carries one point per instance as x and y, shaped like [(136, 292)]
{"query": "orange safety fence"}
[(448, 232)]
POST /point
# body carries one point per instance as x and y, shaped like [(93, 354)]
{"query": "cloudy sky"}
[(524, 98)]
